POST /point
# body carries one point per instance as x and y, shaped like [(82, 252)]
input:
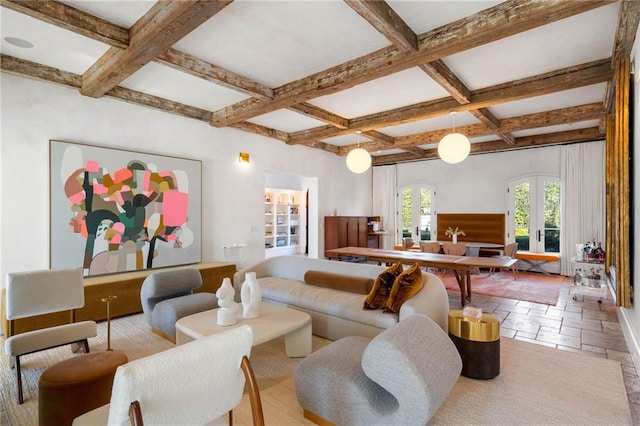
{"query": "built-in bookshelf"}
[(283, 216)]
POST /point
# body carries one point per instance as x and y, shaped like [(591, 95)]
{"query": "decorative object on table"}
[(228, 312), (251, 296), (472, 312), (108, 300), (453, 233)]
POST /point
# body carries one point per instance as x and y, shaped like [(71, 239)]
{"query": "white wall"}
[(479, 183), (233, 196)]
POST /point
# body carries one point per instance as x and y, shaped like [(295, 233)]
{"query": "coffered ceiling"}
[(520, 73)]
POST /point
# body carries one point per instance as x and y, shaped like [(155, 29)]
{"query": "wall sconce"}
[(243, 157)]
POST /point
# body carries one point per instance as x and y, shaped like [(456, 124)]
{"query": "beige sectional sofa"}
[(336, 309)]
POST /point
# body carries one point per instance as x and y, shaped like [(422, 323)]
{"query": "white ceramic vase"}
[(228, 311), (250, 296), (454, 238)]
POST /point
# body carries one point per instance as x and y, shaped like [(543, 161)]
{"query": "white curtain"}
[(384, 201), (582, 172)]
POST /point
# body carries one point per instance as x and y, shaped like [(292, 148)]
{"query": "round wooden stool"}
[(76, 386)]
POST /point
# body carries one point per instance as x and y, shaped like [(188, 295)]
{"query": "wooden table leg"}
[(463, 287)]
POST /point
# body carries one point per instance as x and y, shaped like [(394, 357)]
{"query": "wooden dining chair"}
[(457, 249), (407, 243), (429, 246), (510, 251)]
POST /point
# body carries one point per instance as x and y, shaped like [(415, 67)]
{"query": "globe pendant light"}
[(358, 159), (454, 147)]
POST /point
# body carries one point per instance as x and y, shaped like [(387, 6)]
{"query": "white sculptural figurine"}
[(228, 312), (250, 296)]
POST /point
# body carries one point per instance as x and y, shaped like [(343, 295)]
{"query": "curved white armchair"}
[(194, 383)]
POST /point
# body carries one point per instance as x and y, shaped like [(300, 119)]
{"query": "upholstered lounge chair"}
[(400, 377), (191, 384), (44, 292), (168, 296)]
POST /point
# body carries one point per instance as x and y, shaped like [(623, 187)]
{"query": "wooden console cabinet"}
[(125, 286), (350, 231)]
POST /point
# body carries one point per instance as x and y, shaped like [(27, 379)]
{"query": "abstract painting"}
[(114, 210)]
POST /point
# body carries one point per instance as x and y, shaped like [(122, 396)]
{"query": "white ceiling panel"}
[(426, 15), (52, 46), (124, 13), (564, 99), (275, 42), (580, 39), (286, 121), (461, 118), (560, 128), (393, 91), (165, 82)]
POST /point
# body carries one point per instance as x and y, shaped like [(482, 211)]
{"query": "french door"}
[(416, 212), (534, 214)]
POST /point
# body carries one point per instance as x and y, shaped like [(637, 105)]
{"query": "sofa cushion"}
[(340, 304), (407, 285), (350, 283), (377, 297)]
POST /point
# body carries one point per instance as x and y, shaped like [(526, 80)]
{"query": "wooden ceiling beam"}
[(492, 122), (257, 129), (503, 20), (161, 27), (24, 68), (628, 20), (318, 113), (381, 16), (72, 19), (90, 26), (580, 135), (555, 117), (442, 74), (207, 71), (380, 137), (555, 81), (384, 19)]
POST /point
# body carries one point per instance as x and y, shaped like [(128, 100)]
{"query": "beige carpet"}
[(537, 385)]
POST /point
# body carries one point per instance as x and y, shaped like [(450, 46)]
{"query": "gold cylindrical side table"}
[(478, 343)]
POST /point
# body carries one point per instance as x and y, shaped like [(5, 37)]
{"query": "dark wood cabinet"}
[(350, 231)]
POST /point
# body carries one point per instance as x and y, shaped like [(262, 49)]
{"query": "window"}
[(534, 215), (416, 211)]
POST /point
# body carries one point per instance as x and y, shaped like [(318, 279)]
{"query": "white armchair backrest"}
[(194, 383), (42, 292)]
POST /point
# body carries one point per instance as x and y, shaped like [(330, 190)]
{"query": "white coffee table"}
[(274, 321)]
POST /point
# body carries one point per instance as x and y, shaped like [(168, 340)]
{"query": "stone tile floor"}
[(581, 325)]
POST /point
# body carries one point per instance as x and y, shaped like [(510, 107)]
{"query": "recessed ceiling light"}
[(19, 42)]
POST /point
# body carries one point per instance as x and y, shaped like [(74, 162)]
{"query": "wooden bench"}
[(536, 260)]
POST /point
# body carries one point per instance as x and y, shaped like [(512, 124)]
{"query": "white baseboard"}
[(633, 343)]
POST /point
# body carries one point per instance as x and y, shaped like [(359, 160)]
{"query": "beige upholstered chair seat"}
[(43, 292)]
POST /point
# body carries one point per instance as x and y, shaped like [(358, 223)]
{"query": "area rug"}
[(529, 286), (537, 385)]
